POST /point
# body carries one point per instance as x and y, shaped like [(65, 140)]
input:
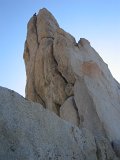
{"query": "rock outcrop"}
[(71, 79), (77, 114), (28, 131)]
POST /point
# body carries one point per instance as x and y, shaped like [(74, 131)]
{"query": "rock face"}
[(69, 112), (77, 116), (58, 68), (30, 132), (72, 80)]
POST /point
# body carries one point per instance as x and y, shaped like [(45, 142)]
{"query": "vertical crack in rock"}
[(57, 106), (26, 54), (78, 117), (57, 66), (36, 30), (39, 99)]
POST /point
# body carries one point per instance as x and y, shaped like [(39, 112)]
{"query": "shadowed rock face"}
[(72, 80), (30, 132)]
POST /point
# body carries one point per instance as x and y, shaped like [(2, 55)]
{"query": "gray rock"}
[(104, 149), (116, 147), (30, 132)]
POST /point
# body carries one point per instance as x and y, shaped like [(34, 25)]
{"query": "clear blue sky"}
[(96, 20)]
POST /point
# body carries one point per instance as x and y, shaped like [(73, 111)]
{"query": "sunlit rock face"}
[(71, 80)]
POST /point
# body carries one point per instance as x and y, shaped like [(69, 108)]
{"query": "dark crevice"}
[(69, 90), (26, 55), (116, 147), (62, 76), (57, 67), (35, 24), (98, 151), (40, 99), (47, 38), (12, 148), (57, 106), (76, 45), (75, 106)]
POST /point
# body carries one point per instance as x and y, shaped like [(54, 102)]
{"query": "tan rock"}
[(68, 112), (46, 24), (62, 46), (46, 75), (42, 67), (58, 68)]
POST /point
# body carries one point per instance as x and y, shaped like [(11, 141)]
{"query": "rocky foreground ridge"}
[(77, 114)]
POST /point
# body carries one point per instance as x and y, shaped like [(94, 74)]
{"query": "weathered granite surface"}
[(71, 79), (30, 132)]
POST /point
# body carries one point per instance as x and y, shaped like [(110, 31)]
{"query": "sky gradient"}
[(96, 20)]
